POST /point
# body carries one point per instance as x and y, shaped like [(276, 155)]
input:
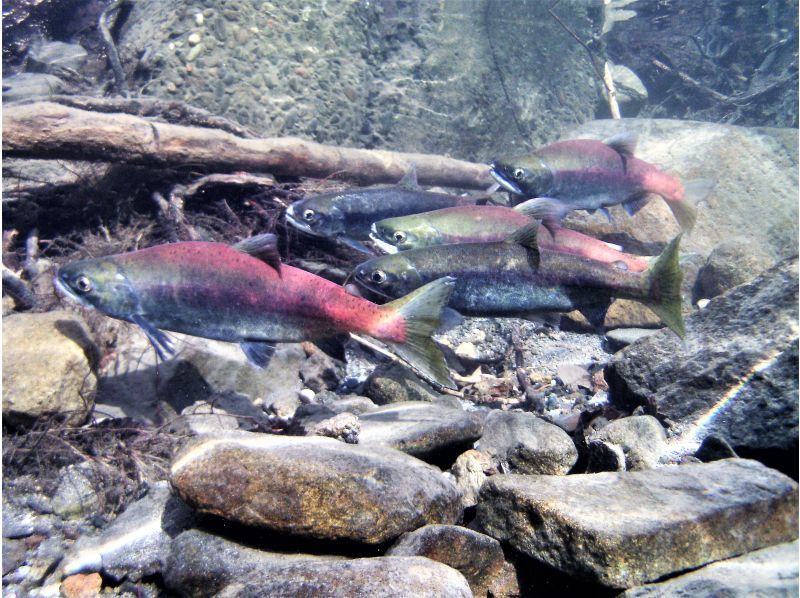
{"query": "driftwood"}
[(46, 130)]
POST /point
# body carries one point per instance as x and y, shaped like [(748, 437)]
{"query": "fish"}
[(346, 216), (516, 277), (484, 224), (586, 174), (244, 294)]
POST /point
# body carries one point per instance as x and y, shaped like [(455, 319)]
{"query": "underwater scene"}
[(363, 298)]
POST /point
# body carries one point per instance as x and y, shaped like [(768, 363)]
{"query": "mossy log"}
[(46, 130)]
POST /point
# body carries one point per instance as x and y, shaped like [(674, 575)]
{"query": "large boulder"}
[(755, 197), (342, 73), (624, 529), (313, 486), (770, 571), (48, 367), (734, 375), (205, 565)]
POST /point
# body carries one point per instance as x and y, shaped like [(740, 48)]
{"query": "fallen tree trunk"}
[(46, 130)]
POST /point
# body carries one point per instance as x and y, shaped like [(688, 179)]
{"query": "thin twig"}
[(111, 48), (16, 288)]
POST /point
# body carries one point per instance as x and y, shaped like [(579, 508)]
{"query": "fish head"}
[(389, 275), (403, 233), (100, 284), (318, 215), (527, 176)]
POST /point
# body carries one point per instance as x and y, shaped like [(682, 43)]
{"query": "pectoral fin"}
[(636, 203), (160, 341), (258, 353), (357, 245)]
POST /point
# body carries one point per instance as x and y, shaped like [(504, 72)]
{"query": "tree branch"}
[(51, 131)]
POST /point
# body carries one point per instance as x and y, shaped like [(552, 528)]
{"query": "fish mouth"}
[(507, 183), (382, 245), (64, 292), (292, 219)]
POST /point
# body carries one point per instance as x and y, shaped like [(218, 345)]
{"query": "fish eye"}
[(518, 173), (83, 284), (378, 277), (308, 215), (399, 236)]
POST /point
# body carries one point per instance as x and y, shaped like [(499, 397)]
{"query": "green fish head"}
[(527, 176), (318, 215), (98, 283), (389, 275), (403, 233)]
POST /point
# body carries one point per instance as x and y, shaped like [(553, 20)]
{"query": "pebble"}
[(306, 396), (199, 19), (194, 52), (194, 39)]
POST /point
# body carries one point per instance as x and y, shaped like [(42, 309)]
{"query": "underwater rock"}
[(319, 420), (478, 557), (321, 372), (48, 370), (424, 430), (81, 586), (770, 571), (351, 403), (622, 337), (24, 86), (604, 456), (312, 486), (520, 442), (731, 263), (624, 529), (641, 438), (393, 383), (202, 564), (734, 375), (631, 92), (755, 197), (469, 471), (77, 493), (137, 543), (625, 313), (50, 56)]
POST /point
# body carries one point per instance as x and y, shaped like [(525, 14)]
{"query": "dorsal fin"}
[(409, 179), (526, 236), (622, 143), (263, 247)]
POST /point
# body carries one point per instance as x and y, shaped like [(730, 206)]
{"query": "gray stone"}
[(14, 554), (743, 162), (604, 456), (48, 361), (731, 263), (631, 92), (312, 486), (29, 85), (344, 427), (393, 383), (137, 543), (321, 372), (770, 571), (622, 337), (624, 529), (641, 438), (77, 492), (353, 404), (469, 472), (524, 443), (478, 557), (205, 565), (49, 57), (18, 522), (422, 429), (734, 375)]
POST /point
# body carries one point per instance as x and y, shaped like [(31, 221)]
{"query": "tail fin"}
[(665, 288), (422, 311), (685, 210)]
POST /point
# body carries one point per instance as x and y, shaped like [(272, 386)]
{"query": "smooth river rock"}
[(734, 375), (625, 529), (641, 438), (524, 443), (420, 428), (770, 571), (313, 486), (48, 367), (202, 565), (477, 556)]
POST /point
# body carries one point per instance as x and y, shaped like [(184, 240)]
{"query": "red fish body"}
[(242, 294)]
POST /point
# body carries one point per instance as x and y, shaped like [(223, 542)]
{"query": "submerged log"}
[(47, 130)]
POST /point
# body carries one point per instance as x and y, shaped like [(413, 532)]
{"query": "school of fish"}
[(442, 250)]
